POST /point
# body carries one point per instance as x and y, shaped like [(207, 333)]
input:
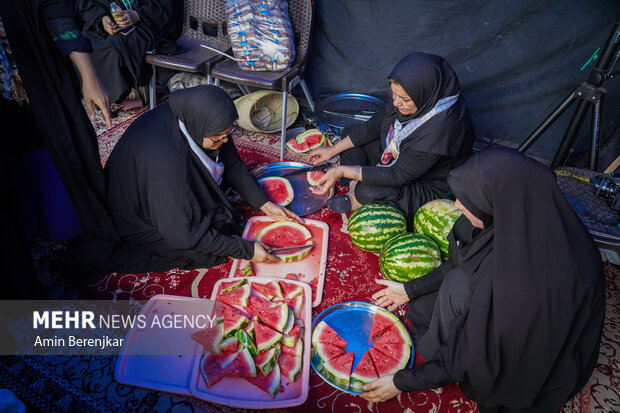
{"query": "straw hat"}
[(261, 111)]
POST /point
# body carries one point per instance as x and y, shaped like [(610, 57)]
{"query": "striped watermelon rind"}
[(408, 256), (435, 219), (363, 373), (338, 370), (288, 256), (303, 138), (267, 360), (372, 225), (323, 333)]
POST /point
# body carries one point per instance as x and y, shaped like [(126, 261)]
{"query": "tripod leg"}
[(571, 134), (595, 143), (547, 122)]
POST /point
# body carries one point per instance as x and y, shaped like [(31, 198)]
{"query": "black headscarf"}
[(205, 110), (535, 318)]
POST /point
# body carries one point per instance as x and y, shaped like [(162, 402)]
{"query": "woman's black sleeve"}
[(428, 283), (427, 375), (409, 166), (365, 132)]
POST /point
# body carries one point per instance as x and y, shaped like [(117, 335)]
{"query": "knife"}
[(292, 247), (320, 167), (361, 116)]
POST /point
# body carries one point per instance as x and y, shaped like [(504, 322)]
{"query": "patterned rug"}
[(87, 384)]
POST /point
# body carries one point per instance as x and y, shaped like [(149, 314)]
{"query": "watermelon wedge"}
[(385, 364), (210, 370), (397, 351), (312, 137), (246, 270), (275, 317), (256, 304), (247, 342), (299, 148), (270, 290), (296, 350), (290, 366), (230, 345), (338, 370), (395, 334), (290, 290), (265, 337), (249, 329), (295, 304), (210, 338), (286, 234), (289, 339), (313, 177), (233, 320), (242, 366), (323, 333), (238, 296), (381, 322), (267, 360), (226, 286), (278, 190), (364, 373), (225, 359), (269, 383), (325, 351)]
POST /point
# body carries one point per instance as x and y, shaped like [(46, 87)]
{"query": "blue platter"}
[(352, 320)]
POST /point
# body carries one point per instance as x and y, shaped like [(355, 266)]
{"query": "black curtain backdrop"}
[(516, 59)]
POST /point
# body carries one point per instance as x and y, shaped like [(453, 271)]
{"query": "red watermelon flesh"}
[(239, 296), (232, 319), (294, 333), (246, 270), (338, 369), (209, 338), (285, 234), (255, 304), (393, 336), (290, 290), (380, 323), (327, 351), (397, 351), (210, 370), (265, 337), (278, 189), (323, 333), (269, 290), (226, 285), (269, 383), (275, 317), (296, 350), (290, 366), (384, 364), (364, 373), (230, 345), (296, 147), (242, 366), (312, 138), (313, 177)]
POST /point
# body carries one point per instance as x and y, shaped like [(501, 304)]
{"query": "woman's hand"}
[(261, 255), (380, 390), (129, 18), (93, 91), (109, 25), (278, 213), (327, 181), (321, 154), (393, 296)]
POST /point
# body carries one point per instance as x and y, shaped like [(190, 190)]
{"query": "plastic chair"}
[(301, 13), (204, 23)]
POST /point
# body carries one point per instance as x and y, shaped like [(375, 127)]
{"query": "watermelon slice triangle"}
[(381, 322), (327, 351), (323, 333), (290, 366), (226, 286), (269, 383), (398, 351), (385, 364), (338, 370), (364, 373), (268, 290), (242, 366), (209, 338), (238, 296), (265, 337), (290, 290), (275, 317), (210, 370), (395, 334), (233, 320)]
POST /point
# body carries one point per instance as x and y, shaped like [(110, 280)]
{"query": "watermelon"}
[(230, 345), (296, 350), (225, 359), (323, 333), (255, 304), (435, 219), (278, 190), (313, 177), (233, 320), (238, 296), (227, 286), (266, 337), (269, 383), (210, 370), (408, 256), (338, 370), (290, 321), (290, 338), (210, 338), (312, 137), (290, 290), (275, 317), (269, 290), (395, 334), (242, 366), (290, 366), (267, 360), (385, 364), (381, 322), (249, 329), (325, 351), (363, 373), (372, 225), (247, 342), (397, 351), (246, 270), (300, 148), (295, 304), (285, 234)]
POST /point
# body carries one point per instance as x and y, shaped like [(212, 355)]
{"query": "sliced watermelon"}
[(300, 148), (312, 137), (323, 333), (265, 337), (289, 339), (242, 366), (210, 370), (290, 321), (385, 364), (278, 190), (230, 345), (338, 370), (286, 234), (292, 276), (275, 317), (395, 334), (246, 270), (226, 286), (237, 297), (313, 177), (247, 342), (295, 304), (269, 383), (249, 329), (225, 359), (364, 373), (290, 366), (233, 320), (381, 322), (326, 351), (397, 351), (296, 350), (290, 290), (210, 338), (270, 290), (267, 360), (255, 304)]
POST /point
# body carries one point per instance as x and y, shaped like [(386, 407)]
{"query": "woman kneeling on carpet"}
[(518, 308), (403, 153), (166, 180)]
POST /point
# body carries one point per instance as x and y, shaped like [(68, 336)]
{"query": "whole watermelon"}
[(435, 219), (408, 256), (372, 225)]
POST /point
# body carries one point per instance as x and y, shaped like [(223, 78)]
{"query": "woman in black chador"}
[(518, 309), (403, 154), (166, 177), (120, 44)]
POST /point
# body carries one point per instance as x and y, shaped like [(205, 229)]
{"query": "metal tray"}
[(347, 105), (304, 202), (352, 320)]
